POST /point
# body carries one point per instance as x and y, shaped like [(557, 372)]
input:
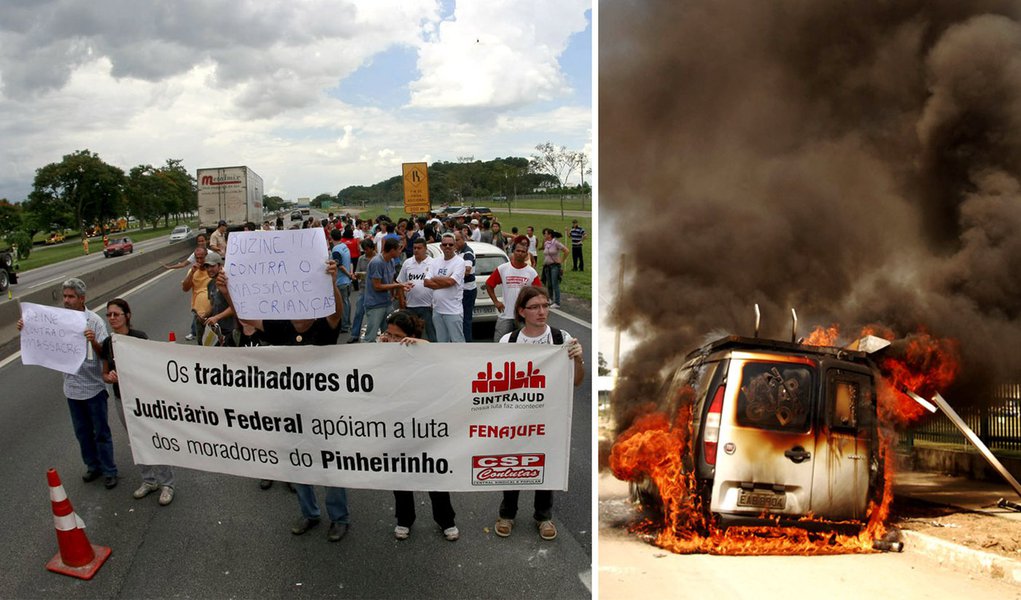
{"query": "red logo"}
[(208, 180), (510, 378), (518, 469)]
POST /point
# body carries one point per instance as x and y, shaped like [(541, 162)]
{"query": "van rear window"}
[(775, 396)]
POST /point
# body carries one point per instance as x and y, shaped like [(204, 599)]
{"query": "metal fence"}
[(998, 425)]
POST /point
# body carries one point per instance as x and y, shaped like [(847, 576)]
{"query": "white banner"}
[(53, 337), (279, 274), (455, 417)]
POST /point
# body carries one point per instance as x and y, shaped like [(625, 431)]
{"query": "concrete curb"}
[(964, 559)]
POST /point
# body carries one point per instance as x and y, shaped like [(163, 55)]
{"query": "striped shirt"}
[(88, 381)]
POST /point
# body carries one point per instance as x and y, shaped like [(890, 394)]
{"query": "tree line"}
[(82, 191)]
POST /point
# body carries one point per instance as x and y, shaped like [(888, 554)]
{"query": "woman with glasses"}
[(405, 328), (154, 477), (531, 311)]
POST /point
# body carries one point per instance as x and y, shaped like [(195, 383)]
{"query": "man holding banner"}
[(86, 392)]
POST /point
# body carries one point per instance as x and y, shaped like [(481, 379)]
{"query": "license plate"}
[(762, 500), (483, 310)]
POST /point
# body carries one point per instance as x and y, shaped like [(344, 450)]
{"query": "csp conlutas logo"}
[(512, 469)]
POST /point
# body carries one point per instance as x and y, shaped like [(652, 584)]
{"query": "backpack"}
[(558, 336)]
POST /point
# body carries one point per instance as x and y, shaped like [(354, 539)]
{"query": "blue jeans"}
[(89, 419), (374, 317), (345, 316), (426, 314), (449, 328), (336, 503), (554, 282), (468, 305), (356, 323)]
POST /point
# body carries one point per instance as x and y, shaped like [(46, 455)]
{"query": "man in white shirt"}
[(419, 299), (447, 283), (514, 275), (476, 232), (533, 249)]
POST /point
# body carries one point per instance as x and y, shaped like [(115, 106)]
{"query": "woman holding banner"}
[(154, 477), (531, 311), (405, 328)]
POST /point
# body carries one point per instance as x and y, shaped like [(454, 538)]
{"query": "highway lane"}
[(223, 536)]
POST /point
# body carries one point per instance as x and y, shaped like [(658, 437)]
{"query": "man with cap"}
[(218, 239), (476, 232)]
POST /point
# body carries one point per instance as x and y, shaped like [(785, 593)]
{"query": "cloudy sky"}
[(314, 95)]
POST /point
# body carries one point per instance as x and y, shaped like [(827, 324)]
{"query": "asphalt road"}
[(224, 537), (627, 564)]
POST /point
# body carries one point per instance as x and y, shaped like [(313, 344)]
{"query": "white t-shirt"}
[(531, 245), (545, 338), (477, 234), (358, 234), (447, 301), (417, 272), (512, 279)]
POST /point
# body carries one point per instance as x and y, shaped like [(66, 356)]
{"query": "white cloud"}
[(173, 81)]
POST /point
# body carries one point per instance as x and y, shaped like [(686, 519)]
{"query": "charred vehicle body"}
[(779, 431)]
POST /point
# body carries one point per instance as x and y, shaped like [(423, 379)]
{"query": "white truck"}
[(231, 194)]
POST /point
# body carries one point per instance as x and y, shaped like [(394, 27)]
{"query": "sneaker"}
[(401, 532), (504, 526), (265, 484), (90, 476), (302, 525), (145, 489), (190, 337), (554, 305), (110, 482), (166, 495), (337, 531), (547, 530), (451, 534)]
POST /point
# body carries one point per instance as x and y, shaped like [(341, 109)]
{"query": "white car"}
[(487, 258), (181, 232)]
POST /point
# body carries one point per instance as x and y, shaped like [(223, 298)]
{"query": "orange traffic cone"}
[(77, 557)]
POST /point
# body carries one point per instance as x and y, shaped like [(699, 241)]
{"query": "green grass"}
[(72, 247)]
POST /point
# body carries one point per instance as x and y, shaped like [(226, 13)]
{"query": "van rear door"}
[(766, 448), (840, 487)]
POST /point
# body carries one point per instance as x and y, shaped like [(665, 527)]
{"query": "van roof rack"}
[(736, 342)]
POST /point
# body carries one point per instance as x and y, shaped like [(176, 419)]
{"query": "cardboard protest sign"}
[(279, 274), (53, 337), (453, 417)]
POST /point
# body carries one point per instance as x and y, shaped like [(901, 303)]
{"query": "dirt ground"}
[(973, 530)]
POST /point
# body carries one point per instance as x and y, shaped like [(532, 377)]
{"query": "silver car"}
[(181, 232)]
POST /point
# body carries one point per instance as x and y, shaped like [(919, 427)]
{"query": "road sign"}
[(416, 188)]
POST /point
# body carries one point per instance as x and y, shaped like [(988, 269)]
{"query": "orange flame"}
[(823, 336)]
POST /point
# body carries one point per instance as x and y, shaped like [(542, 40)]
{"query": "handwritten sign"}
[(279, 274), (328, 415), (52, 337)]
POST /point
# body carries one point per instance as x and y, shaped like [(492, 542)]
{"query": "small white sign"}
[(53, 337)]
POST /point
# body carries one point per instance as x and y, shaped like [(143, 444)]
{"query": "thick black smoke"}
[(859, 161)]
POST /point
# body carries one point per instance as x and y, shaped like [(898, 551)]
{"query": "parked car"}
[(487, 258), (181, 232), (119, 247), (448, 211), (8, 274), (780, 430)]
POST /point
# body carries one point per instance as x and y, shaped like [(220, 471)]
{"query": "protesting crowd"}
[(387, 289)]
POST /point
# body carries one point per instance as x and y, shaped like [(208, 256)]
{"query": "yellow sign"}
[(416, 188)]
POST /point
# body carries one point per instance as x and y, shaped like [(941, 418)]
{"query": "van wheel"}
[(5, 281), (646, 494)]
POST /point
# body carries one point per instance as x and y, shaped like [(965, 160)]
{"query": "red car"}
[(119, 247)]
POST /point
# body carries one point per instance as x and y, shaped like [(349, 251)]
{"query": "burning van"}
[(777, 432)]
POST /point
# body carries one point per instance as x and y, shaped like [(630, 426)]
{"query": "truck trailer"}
[(231, 194)]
